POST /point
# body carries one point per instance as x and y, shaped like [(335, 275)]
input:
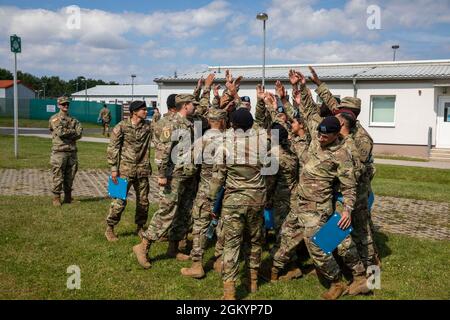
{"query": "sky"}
[(111, 40)]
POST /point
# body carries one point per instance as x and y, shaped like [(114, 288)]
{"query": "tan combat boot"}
[(337, 288), (358, 286), (57, 201), (252, 281), (229, 290), (218, 265), (274, 274), (294, 272), (67, 197), (110, 235), (195, 271), (141, 251), (172, 251), (139, 231)]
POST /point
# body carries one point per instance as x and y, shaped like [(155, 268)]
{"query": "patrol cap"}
[(351, 103), (171, 101), (329, 124), (216, 114), (245, 99), (185, 98), (136, 105), (242, 118), (63, 99)]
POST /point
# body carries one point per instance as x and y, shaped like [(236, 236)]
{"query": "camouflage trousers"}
[(218, 251), (173, 218), (141, 187), (304, 220), (362, 233), (64, 167), (241, 224), (105, 126), (281, 207)]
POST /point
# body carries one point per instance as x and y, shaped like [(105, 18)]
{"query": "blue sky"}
[(155, 38)]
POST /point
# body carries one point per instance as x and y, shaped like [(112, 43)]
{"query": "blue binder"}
[(330, 235), (119, 190)]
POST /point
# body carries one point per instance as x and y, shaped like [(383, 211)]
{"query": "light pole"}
[(395, 47), (263, 17), (132, 86), (43, 86)]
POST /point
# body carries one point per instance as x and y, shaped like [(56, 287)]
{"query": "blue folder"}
[(218, 202), (268, 219), (330, 235), (119, 190)]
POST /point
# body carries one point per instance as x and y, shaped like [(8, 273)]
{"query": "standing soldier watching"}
[(65, 132), (105, 117), (128, 156)]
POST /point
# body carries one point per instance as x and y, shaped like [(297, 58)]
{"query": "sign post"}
[(16, 47)]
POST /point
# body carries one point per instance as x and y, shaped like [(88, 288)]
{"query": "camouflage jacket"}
[(362, 140), (105, 115), (242, 177), (324, 168), (156, 117), (176, 134), (65, 131), (129, 149)]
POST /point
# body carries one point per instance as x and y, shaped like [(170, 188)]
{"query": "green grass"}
[(412, 182), (394, 157), (39, 242), (35, 153), (33, 123)]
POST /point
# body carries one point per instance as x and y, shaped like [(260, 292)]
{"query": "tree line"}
[(53, 86)]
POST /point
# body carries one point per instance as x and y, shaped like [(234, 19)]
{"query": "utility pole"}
[(16, 47)]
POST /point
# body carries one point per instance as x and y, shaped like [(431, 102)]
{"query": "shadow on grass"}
[(92, 199)]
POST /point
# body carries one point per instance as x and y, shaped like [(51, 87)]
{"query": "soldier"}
[(245, 195), (105, 117), (245, 103), (156, 115), (201, 212), (65, 132), (128, 156), (178, 135), (363, 225)]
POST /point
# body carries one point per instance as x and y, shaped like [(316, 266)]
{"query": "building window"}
[(447, 112), (382, 111)]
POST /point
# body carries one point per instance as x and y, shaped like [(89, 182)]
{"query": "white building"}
[(405, 104), (119, 94)]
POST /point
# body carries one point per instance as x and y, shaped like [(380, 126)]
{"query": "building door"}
[(443, 123)]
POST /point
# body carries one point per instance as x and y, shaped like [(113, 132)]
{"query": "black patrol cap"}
[(171, 101), (136, 105), (329, 125), (242, 118), (245, 99)]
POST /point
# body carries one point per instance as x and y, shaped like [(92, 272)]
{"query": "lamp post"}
[(43, 86), (395, 47), (132, 86), (85, 87), (263, 17)]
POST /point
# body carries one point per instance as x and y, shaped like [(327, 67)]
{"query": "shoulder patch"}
[(166, 133)]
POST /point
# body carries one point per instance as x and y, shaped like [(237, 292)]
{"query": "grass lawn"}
[(34, 123), (35, 152), (412, 182), (39, 242), (394, 157)]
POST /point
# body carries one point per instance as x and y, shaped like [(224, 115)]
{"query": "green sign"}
[(16, 44)]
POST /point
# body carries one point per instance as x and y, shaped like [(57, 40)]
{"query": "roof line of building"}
[(377, 63)]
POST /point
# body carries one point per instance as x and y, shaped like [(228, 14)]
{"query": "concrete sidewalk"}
[(430, 164), (84, 139)]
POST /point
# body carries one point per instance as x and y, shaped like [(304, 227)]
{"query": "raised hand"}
[(297, 96), (209, 80), (200, 82), (302, 78), (279, 89), (314, 78), (260, 92), (270, 100), (216, 90), (293, 77), (228, 76), (237, 82)]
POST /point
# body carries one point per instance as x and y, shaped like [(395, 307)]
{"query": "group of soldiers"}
[(323, 158)]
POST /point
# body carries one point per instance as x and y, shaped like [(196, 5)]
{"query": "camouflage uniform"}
[(128, 154), (313, 205), (156, 117), (362, 223), (105, 116), (201, 212), (243, 203), (65, 132), (175, 199)]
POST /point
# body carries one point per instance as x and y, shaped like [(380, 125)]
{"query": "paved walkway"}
[(417, 218), (429, 164)]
